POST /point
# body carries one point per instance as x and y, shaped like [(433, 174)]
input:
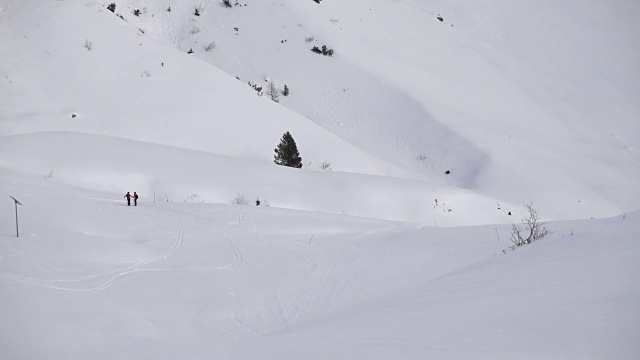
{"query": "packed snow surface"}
[(90, 277)]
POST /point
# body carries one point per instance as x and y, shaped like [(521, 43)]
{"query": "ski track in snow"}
[(117, 274), (312, 295)]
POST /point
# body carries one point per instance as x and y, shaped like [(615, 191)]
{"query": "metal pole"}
[(17, 232), (16, 204)]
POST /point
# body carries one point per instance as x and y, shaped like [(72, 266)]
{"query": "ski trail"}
[(119, 272), (241, 216), (308, 299), (144, 266), (141, 268), (136, 267)]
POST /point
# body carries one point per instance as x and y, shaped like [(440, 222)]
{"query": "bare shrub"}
[(210, 46), (272, 91), (325, 166), (193, 198), (309, 39), (88, 44), (532, 230), (239, 200)]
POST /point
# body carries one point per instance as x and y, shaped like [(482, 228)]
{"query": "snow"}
[(91, 277), (385, 256)]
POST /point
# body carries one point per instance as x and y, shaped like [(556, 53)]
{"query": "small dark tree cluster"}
[(257, 88), (324, 50), (285, 92), (136, 12), (112, 7), (227, 3), (287, 152)]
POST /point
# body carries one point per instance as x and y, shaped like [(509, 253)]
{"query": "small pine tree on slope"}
[(287, 152)]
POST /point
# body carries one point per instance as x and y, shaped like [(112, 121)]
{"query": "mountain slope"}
[(129, 86), (513, 102), (495, 92)]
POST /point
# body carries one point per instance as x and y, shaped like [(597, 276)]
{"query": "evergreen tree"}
[(287, 152)]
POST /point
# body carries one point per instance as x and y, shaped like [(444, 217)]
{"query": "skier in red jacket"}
[(128, 196)]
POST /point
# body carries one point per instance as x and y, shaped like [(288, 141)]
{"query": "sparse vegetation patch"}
[(324, 50)]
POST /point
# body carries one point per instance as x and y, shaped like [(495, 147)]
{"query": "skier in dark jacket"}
[(128, 196), (135, 198)]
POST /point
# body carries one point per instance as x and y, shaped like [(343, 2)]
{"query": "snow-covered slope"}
[(518, 101), (176, 174), (432, 114), (90, 277), (528, 101), (131, 87)]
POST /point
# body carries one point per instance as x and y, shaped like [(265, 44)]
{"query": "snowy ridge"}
[(80, 160)]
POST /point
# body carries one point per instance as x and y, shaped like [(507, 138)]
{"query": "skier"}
[(128, 196), (135, 198)]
